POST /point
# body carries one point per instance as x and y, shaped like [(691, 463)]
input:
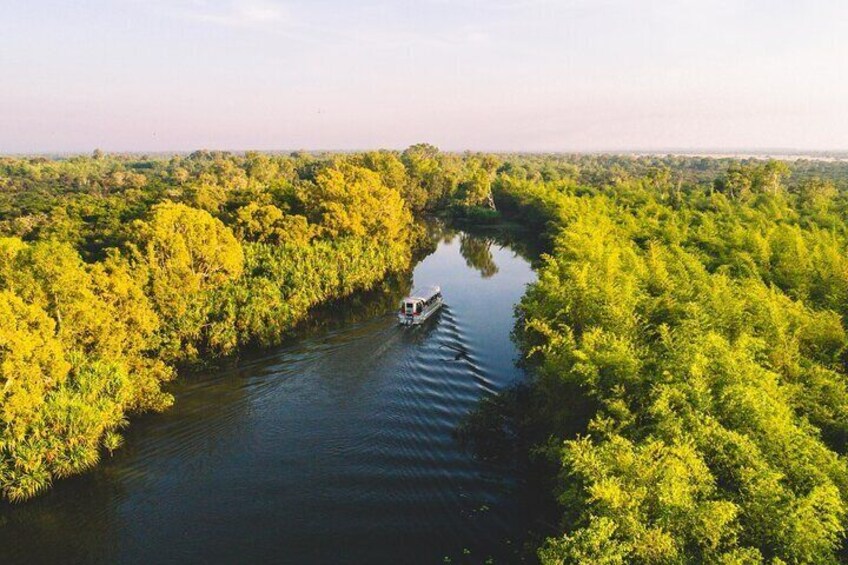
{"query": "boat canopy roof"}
[(424, 293)]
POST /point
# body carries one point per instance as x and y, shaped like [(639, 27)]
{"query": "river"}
[(337, 447)]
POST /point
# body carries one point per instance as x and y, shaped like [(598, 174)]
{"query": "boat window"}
[(418, 308)]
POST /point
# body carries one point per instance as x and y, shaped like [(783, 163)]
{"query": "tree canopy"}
[(694, 308)]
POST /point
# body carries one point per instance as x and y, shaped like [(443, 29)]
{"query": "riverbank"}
[(688, 352), (340, 441)]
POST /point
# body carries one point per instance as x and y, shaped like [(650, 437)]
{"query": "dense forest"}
[(115, 271), (686, 334), (693, 314)]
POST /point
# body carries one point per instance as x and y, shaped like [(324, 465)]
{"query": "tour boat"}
[(420, 305)]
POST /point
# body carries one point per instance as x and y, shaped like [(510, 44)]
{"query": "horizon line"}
[(776, 152)]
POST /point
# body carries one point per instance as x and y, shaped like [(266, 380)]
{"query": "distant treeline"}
[(695, 310)]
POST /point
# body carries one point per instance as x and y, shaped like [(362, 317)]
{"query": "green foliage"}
[(186, 254), (707, 331), (122, 269), (72, 361), (352, 201), (695, 306), (269, 224)]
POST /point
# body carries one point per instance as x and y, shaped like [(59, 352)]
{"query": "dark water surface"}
[(336, 448)]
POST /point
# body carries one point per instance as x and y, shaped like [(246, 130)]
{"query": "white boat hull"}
[(414, 320)]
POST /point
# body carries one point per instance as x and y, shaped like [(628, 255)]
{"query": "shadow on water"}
[(524, 243), (340, 446), (511, 430)]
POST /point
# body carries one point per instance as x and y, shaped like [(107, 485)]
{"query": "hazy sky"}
[(490, 75)]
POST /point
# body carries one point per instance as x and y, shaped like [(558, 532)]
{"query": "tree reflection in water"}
[(478, 254)]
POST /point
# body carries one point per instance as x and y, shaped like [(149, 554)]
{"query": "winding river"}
[(338, 447)]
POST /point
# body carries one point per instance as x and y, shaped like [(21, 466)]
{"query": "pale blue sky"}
[(136, 75)]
